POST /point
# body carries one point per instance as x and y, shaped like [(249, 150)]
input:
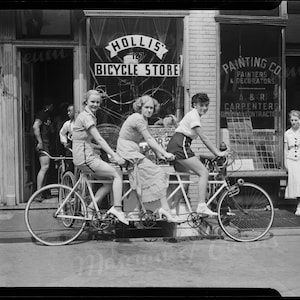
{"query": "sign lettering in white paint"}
[(155, 70), (141, 41)]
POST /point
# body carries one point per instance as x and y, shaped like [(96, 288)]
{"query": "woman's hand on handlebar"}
[(224, 153), (167, 156), (119, 160)]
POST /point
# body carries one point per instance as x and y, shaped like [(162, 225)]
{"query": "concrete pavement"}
[(136, 262)]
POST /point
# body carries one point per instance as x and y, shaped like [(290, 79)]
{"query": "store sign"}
[(141, 41), (250, 86), (153, 70), (252, 62)]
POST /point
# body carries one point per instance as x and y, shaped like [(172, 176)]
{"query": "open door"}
[(27, 141), (46, 73)]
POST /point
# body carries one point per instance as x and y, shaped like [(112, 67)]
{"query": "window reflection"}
[(43, 24)]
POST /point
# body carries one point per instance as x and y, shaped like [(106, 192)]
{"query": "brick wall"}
[(202, 51)]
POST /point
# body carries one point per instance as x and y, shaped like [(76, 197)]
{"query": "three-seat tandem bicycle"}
[(245, 211)]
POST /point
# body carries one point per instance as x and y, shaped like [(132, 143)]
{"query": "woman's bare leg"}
[(195, 165), (44, 162), (100, 194), (117, 185)]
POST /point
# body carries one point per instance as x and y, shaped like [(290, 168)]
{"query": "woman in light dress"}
[(146, 178), (292, 158)]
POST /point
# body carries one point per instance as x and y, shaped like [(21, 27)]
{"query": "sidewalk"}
[(186, 262), (13, 228)]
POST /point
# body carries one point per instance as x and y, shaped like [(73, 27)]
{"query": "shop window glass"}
[(292, 29), (251, 77), (133, 56), (44, 24)]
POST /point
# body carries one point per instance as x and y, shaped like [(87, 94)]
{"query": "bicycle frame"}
[(223, 186), (180, 186), (62, 163), (83, 179), (60, 208)]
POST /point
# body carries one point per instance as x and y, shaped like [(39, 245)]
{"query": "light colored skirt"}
[(293, 186), (148, 179)]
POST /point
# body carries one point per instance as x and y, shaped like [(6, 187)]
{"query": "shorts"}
[(46, 148), (180, 146)]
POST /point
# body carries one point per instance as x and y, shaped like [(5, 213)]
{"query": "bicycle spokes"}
[(57, 220), (244, 216)]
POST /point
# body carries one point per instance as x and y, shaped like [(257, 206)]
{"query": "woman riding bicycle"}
[(84, 157), (190, 128)]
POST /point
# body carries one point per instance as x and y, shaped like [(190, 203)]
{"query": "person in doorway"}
[(147, 178), (43, 130), (189, 128), (65, 135), (84, 157), (292, 158)]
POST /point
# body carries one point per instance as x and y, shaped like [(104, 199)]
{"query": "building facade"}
[(246, 61)]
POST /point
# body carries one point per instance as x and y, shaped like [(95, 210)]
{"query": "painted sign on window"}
[(250, 75), (134, 56), (131, 65)]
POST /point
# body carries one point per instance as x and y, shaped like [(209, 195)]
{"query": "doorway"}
[(46, 76)]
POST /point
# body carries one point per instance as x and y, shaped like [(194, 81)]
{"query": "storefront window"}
[(44, 24), (251, 74), (133, 56)]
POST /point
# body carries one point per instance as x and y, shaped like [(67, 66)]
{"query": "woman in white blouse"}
[(292, 158)]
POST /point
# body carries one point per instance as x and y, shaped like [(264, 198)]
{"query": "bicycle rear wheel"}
[(68, 179), (46, 219), (59, 173), (245, 214)]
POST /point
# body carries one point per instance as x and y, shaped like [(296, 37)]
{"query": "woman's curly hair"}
[(139, 102)]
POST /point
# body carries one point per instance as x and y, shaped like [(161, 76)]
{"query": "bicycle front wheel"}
[(46, 219), (72, 207), (245, 214)]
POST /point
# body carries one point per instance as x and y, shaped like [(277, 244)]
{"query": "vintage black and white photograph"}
[(151, 148)]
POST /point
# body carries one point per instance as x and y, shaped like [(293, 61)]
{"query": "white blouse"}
[(188, 123), (292, 138)]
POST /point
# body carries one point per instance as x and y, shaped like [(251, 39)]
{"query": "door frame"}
[(78, 85)]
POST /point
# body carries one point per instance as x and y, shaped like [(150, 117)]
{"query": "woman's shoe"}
[(118, 214), (135, 215), (203, 209), (162, 212)]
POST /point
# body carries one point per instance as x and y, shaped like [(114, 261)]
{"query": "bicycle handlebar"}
[(55, 157)]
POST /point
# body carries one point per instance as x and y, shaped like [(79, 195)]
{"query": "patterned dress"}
[(147, 178)]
